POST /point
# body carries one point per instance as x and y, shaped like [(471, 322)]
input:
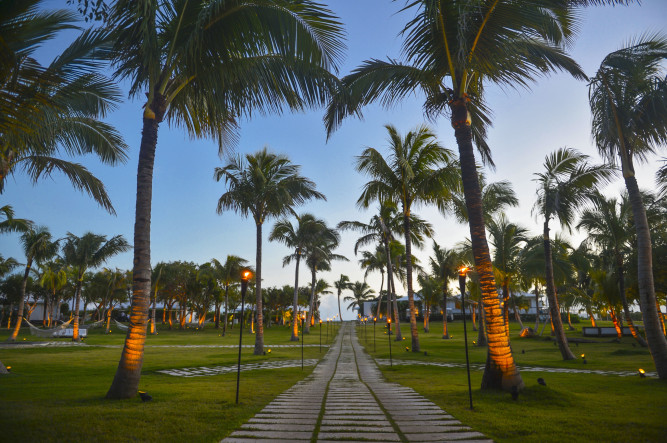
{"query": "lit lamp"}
[(246, 275), (463, 272), (320, 335), (303, 337), (642, 373), (375, 319), (583, 357)]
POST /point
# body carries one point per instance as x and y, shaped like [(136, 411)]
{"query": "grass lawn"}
[(571, 407), (57, 393)]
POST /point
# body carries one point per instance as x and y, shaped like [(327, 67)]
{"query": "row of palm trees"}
[(267, 57)]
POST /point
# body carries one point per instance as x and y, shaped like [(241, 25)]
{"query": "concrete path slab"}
[(349, 400)]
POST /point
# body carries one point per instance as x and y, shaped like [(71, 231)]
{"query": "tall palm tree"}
[(361, 292), (628, 98), (496, 197), (444, 264), (228, 274), (608, 226), (342, 284), (38, 246), (11, 224), (263, 185), (46, 111), (298, 237), (260, 57), (506, 239), (417, 170), (453, 49), (89, 251), (567, 183), (319, 255), (52, 277)]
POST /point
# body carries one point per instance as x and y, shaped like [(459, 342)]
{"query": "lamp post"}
[(375, 319), (303, 337), (245, 276), (463, 271), (327, 330), (320, 336), (391, 365)]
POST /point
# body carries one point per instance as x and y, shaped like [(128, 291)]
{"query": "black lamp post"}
[(374, 321), (462, 286), (303, 338), (391, 365), (327, 330), (245, 276), (320, 335)]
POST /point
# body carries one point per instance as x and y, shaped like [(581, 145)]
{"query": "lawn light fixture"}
[(303, 337), (320, 335), (145, 396), (583, 357), (463, 272), (246, 275), (642, 373)]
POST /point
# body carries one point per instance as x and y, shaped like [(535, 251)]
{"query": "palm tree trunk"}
[(481, 337), (517, 316), (473, 315), (614, 319), (408, 267), (569, 321), (259, 335), (79, 284), (377, 314), (217, 313), (445, 333), (626, 308), (392, 304), (311, 304), (506, 306), (295, 301), (500, 371), (153, 326), (655, 338), (224, 323), (126, 380), (553, 299), (19, 316), (108, 328)]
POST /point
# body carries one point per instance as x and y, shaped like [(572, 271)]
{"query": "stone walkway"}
[(347, 399)]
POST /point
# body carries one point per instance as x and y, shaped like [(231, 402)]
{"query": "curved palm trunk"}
[(19, 316), (108, 328), (295, 301), (624, 300), (554, 309), (259, 330), (614, 320), (153, 326), (392, 304), (500, 370), (517, 316), (655, 338), (126, 381), (506, 306), (408, 267), (217, 313), (481, 337)]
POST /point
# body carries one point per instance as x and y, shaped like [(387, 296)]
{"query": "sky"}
[(527, 126)]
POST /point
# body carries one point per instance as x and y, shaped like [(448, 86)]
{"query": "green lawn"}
[(571, 407), (57, 393)]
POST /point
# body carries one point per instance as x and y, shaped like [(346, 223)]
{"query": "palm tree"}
[(568, 182), (299, 238), (260, 57), (342, 284), (38, 246), (11, 224), (628, 98), (444, 265), (608, 223), (319, 255), (496, 197), (506, 239), (452, 50), (263, 185), (429, 294), (417, 170), (89, 251), (48, 110), (228, 274), (52, 277), (361, 292)]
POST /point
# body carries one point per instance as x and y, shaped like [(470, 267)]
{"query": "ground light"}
[(245, 277), (642, 373), (463, 272), (583, 357)]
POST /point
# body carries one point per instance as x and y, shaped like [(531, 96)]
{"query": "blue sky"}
[(528, 125)]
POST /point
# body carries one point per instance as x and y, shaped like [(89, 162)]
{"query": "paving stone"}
[(355, 428), (264, 440), (415, 429), (384, 436), (450, 436), (273, 434), (279, 427), (296, 421)]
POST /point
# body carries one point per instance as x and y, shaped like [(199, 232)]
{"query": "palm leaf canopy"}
[(496, 197), (91, 250), (263, 185), (417, 170), (46, 110), (452, 49), (216, 61), (628, 98), (568, 181)]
